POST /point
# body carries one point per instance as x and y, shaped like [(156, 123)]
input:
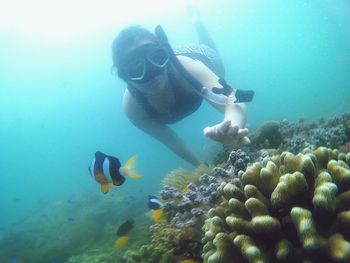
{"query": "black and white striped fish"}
[(107, 170)]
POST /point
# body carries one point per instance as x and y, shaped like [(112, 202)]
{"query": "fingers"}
[(224, 127), (225, 132), (245, 141), (242, 133), (208, 131), (233, 130)]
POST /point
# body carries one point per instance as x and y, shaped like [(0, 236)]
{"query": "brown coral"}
[(290, 208)]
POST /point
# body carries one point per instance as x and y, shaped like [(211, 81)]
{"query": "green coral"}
[(289, 208)]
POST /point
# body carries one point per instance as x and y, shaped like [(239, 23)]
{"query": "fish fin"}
[(120, 242), (157, 215), (130, 162), (104, 188), (133, 175), (128, 169)]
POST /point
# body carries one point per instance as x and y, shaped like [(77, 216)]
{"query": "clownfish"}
[(154, 203), (107, 170), (123, 230)]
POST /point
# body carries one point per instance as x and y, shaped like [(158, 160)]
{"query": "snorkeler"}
[(164, 86)]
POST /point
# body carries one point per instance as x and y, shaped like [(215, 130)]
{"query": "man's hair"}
[(126, 38)]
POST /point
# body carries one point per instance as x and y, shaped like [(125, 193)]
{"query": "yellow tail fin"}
[(133, 175), (128, 169), (130, 162)]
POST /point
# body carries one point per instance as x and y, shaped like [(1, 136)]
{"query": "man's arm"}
[(159, 131), (232, 127)]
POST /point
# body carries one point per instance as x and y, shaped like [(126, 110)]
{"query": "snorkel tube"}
[(163, 40), (216, 95)]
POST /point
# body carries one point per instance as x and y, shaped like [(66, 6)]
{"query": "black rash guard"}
[(185, 102)]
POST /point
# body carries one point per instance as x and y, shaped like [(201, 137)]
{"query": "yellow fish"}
[(107, 170), (121, 242), (157, 215)]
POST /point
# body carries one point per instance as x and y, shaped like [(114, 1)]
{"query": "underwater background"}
[(60, 102)]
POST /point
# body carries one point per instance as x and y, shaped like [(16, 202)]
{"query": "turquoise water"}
[(59, 101)]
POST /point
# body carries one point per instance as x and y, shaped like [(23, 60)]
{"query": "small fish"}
[(154, 203), (157, 215), (107, 170), (70, 219), (69, 201), (125, 227), (122, 232), (12, 259), (121, 242)]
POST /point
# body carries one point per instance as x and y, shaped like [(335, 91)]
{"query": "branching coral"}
[(289, 208)]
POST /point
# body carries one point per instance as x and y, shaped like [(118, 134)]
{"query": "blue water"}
[(59, 101)]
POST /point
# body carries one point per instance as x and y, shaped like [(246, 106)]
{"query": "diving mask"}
[(145, 63)]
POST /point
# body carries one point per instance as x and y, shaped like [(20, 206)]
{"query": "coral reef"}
[(281, 199), (186, 209), (295, 137), (168, 244), (148, 254), (268, 134), (289, 208), (331, 133), (97, 255), (180, 178)]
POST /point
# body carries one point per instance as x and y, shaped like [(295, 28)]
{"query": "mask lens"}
[(136, 69), (158, 57)]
